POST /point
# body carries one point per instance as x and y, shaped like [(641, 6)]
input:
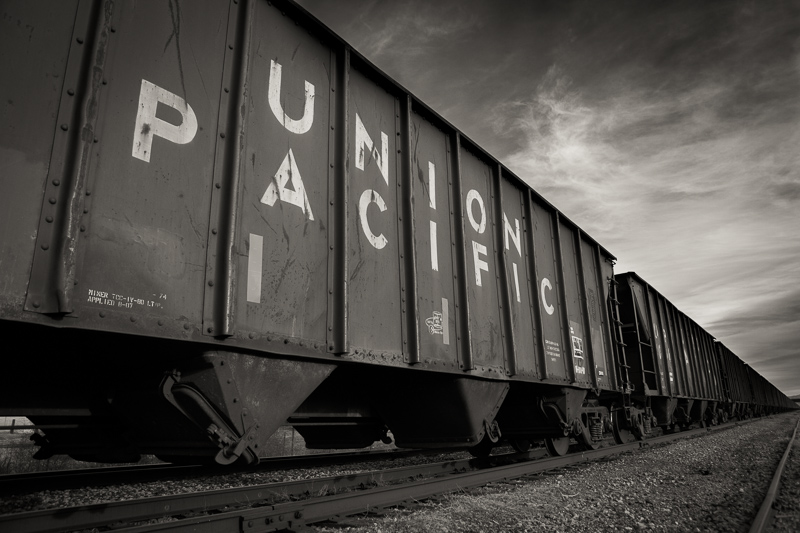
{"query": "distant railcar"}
[(222, 219), (679, 373)]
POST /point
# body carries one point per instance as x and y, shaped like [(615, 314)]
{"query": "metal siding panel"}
[(688, 361), (705, 369), (431, 176), (547, 287), (285, 181), (713, 363), (605, 277), (374, 296), (39, 36), (657, 341), (571, 287), (640, 319), (737, 371), (481, 253), (673, 347), (147, 228), (515, 242), (695, 357), (702, 367), (594, 302), (664, 341)]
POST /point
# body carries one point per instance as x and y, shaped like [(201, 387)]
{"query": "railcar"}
[(219, 218), (679, 373)]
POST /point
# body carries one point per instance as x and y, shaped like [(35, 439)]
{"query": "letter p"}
[(149, 126)]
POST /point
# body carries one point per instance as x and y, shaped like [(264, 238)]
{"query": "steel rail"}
[(87, 516), (103, 476), (295, 514), (764, 515)]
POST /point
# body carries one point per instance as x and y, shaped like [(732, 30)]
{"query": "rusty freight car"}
[(219, 218), (680, 374)]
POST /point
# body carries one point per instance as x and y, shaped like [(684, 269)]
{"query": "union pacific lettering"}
[(287, 186)]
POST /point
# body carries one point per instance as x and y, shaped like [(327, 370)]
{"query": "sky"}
[(668, 131)]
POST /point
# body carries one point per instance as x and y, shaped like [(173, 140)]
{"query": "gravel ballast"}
[(51, 499), (715, 482)]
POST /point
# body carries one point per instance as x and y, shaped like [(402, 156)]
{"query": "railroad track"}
[(277, 506), (126, 474)]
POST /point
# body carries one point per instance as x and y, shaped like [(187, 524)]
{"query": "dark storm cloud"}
[(668, 130)]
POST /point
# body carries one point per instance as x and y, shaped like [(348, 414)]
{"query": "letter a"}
[(277, 187)]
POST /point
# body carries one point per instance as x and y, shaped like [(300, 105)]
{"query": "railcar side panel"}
[(576, 340), (283, 205), (696, 357), (555, 354), (663, 362), (517, 256), (435, 239), (485, 329), (374, 296), (673, 362), (33, 87), (595, 306), (605, 277), (148, 196)]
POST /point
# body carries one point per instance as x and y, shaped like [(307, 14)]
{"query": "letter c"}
[(367, 197), (547, 307)]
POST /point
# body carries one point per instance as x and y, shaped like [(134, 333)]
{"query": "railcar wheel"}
[(622, 435), (520, 445), (557, 447)]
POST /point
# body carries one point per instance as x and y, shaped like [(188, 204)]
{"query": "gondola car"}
[(218, 218)]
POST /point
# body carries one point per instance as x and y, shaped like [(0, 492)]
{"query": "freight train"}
[(219, 218)]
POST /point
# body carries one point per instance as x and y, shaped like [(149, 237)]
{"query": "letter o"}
[(472, 196)]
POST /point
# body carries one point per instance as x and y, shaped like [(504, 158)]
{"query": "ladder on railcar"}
[(622, 363)]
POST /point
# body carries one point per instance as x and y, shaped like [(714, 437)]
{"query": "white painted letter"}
[(368, 197), (149, 126), (547, 307), (254, 261), (363, 141), (510, 233), (472, 196), (516, 280), (295, 126), (432, 184), (434, 248), (480, 264), (277, 187)]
